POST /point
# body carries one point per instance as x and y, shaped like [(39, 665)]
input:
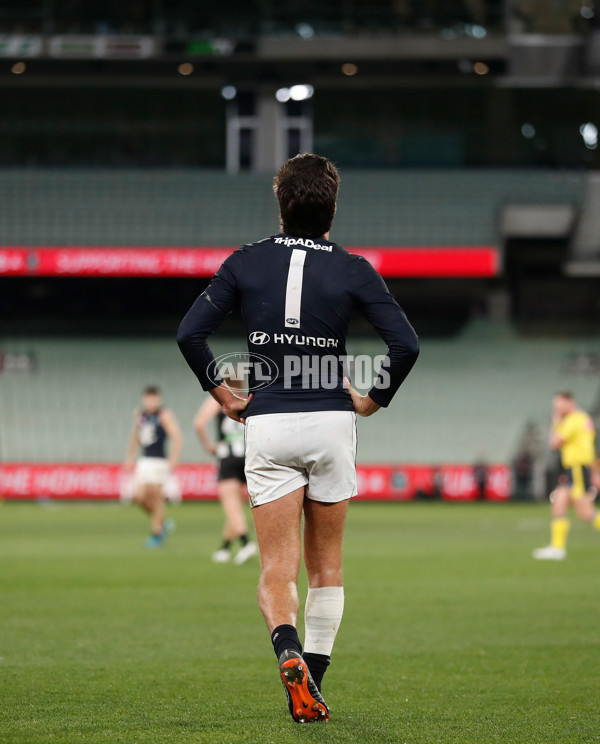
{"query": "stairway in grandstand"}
[(585, 246)]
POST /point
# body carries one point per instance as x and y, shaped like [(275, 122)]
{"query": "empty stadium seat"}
[(205, 208), (468, 397)]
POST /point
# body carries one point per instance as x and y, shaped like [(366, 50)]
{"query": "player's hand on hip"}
[(236, 407), (364, 405), (232, 405)]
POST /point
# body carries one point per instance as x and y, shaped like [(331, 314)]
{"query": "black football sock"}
[(285, 636), (226, 545), (244, 539), (317, 666)]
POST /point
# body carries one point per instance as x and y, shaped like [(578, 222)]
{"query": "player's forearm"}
[(390, 322), (224, 396), (132, 448), (365, 405), (403, 351), (176, 447), (204, 438), (201, 320), (233, 405), (370, 406)]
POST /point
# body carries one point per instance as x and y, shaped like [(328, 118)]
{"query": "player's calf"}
[(322, 617)]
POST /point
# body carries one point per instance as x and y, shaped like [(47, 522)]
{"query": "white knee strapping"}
[(322, 618)]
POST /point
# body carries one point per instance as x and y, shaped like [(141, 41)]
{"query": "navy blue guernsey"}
[(151, 434), (297, 296)]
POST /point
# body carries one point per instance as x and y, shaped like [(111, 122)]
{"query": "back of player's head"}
[(151, 390), (566, 394), (306, 188)]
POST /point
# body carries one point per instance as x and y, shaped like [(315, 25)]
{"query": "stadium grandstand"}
[(411, 207), (77, 406), (137, 149), (140, 143)]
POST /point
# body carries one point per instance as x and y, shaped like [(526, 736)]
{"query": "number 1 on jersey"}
[(293, 292)]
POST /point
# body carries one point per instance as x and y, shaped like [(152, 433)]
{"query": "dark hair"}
[(306, 188), (565, 394), (151, 390)]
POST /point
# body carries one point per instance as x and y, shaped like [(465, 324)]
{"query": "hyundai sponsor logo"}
[(259, 338)]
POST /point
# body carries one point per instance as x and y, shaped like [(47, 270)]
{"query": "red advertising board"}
[(198, 482), (391, 261)]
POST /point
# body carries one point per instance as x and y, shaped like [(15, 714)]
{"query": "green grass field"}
[(451, 633)]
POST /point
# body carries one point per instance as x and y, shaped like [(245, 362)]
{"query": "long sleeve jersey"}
[(297, 296)]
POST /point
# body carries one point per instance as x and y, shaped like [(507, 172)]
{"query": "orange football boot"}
[(305, 702)]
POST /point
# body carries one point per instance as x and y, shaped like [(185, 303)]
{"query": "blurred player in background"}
[(574, 435), (229, 450), (152, 426), (297, 292)]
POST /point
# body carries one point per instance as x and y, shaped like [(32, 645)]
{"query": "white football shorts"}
[(285, 451), (152, 470)]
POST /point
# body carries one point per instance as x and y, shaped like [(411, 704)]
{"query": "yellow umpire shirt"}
[(578, 434)]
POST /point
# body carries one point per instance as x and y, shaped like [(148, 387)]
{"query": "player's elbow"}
[(185, 334), (413, 348), (410, 347)]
